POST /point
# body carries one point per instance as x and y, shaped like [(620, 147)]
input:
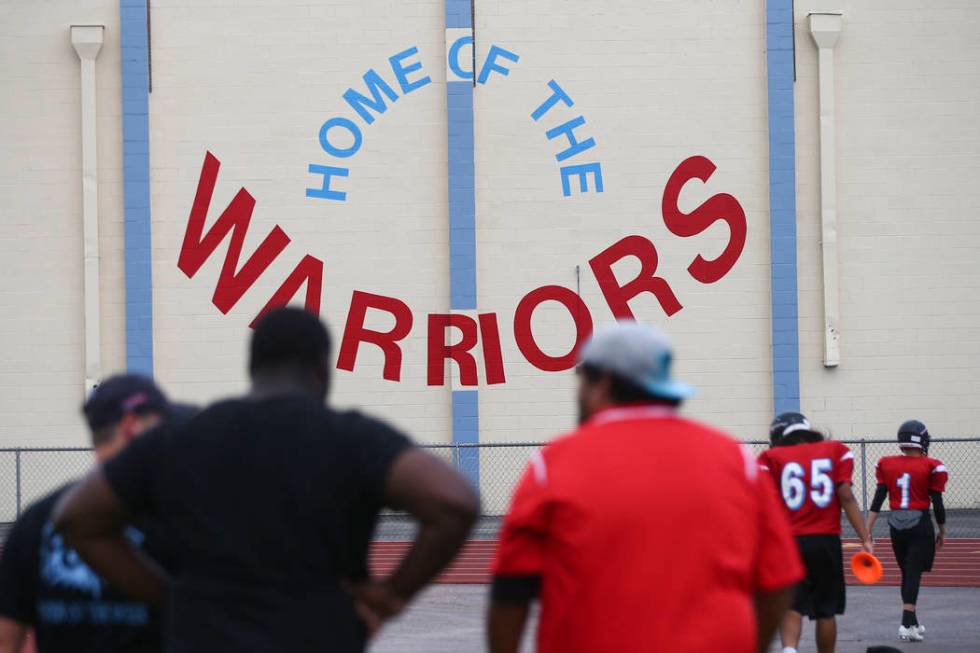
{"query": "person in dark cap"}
[(911, 481), (272, 499), (43, 583)]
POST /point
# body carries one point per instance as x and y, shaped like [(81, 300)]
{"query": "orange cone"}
[(866, 568)]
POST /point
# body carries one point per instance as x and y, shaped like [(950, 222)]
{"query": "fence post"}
[(17, 478), (457, 461), (864, 475)]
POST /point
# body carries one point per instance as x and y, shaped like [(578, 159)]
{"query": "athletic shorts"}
[(821, 594), (915, 547)]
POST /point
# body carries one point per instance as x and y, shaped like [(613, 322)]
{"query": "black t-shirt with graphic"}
[(270, 505), (43, 583)]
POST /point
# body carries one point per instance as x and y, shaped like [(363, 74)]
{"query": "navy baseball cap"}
[(638, 353), (120, 395)]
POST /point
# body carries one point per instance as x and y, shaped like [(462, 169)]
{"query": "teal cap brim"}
[(673, 390)]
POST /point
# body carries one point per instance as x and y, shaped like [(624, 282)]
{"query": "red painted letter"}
[(618, 296), (439, 351), (355, 333), (525, 339), (198, 246), (493, 360), (717, 207), (309, 270)]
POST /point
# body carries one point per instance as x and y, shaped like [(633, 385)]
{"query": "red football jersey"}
[(910, 479), (807, 476)]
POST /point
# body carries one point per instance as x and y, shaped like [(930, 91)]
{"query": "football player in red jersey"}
[(813, 476), (910, 481)]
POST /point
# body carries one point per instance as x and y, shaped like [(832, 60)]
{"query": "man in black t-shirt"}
[(272, 499), (43, 583)]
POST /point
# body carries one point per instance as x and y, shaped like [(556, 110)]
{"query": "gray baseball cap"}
[(639, 353)]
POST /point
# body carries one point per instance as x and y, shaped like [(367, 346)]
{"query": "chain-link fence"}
[(28, 474)]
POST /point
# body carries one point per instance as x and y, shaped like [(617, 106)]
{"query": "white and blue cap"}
[(638, 353)]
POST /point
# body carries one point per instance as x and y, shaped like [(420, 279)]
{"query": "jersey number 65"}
[(793, 484)]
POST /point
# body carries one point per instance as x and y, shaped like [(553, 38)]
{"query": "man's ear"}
[(604, 386), (129, 427)]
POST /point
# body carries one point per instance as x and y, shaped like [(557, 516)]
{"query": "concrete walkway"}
[(449, 619)]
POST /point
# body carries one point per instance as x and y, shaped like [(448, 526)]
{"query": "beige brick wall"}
[(41, 332), (260, 113), (908, 147), (655, 82), (257, 99), (648, 109)]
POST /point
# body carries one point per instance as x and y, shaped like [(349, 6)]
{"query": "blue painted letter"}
[(491, 63), (581, 171), (574, 145), (336, 151), (454, 57), (375, 86), (401, 72), (324, 191), (557, 94)]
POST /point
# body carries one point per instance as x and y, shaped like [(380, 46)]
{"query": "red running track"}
[(957, 564)]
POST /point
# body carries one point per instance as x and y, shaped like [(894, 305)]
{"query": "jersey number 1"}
[(794, 489), (904, 482)]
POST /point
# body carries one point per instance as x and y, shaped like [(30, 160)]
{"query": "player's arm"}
[(843, 472), (446, 507), (853, 511), (505, 625), (12, 635), (938, 478), (518, 563), (91, 517), (881, 493), (770, 607), (939, 510)]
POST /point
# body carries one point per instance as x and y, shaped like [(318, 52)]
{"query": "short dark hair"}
[(622, 391), (801, 437), (288, 338)]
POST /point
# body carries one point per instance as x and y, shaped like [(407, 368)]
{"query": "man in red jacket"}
[(814, 478), (641, 530)]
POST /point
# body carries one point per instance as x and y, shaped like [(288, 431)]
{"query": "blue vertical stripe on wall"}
[(462, 232), (782, 206), (462, 197), (459, 13), (134, 50), (466, 430)]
